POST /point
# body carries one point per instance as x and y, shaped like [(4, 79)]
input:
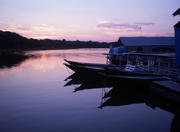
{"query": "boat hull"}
[(89, 70), (109, 71)]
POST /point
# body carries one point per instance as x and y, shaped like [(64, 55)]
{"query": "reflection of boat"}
[(121, 97), (87, 82), (130, 96), (124, 96), (125, 93)]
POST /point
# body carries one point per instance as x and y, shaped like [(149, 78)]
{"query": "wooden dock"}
[(169, 85)]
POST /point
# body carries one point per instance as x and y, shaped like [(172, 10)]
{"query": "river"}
[(35, 97)]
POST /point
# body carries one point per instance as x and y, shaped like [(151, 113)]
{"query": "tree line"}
[(14, 41)]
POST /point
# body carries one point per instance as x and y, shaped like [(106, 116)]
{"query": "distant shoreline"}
[(14, 42)]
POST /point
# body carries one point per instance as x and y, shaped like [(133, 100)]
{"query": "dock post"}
[(127, 58), (177, 42), (137, 60), (159, 64), (120, 61), (107, 59), (168, 68), (148, 63)]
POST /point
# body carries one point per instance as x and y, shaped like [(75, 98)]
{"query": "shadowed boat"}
[(112, 71)]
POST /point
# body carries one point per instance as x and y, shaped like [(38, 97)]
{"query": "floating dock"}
[(168, 89), (169, 85)]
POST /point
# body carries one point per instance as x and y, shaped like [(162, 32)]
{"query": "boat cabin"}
[(161, 64)]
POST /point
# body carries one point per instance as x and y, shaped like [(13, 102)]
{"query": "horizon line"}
[(86, 40)]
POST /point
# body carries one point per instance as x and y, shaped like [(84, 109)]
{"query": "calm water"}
[(33, 98)]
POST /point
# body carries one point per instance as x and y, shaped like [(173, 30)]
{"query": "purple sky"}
[(97, 20)]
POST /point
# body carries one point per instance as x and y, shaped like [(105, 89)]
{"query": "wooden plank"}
[(169, 85)]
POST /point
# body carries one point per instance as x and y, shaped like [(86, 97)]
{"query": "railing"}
[(154, 63)]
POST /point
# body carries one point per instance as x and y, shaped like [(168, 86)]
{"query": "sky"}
[(95, 20)]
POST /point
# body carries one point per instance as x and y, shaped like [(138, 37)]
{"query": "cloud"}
[(123, 27), (150, 34), (169, 34), (23, 28), (3, 25), (145, 23), (43, 31), (40, 31)]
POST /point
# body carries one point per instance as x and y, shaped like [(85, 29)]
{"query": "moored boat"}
[(128, 72)]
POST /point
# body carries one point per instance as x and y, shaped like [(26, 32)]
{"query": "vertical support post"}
[(168, 67), (127, 58), (107, 59), (120, 61), (148, 63), (136, 60), (177, 45), (159, 64)]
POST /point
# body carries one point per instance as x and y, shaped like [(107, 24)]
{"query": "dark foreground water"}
[(35, 97)]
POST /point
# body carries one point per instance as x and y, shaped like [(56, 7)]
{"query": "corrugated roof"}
[(147, 41)]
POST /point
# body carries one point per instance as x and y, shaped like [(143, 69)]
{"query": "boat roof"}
[(148, 41)]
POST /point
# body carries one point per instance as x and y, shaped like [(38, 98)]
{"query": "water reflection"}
[(123, 93), (85, 82), (12, 60), (35, 95)]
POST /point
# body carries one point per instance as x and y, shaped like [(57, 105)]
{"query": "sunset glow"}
[(103, 20)]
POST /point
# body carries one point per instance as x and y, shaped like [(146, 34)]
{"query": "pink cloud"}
[(109, 31), (124, 27), (3, 26), (32, 31), (115, 26), (152, 34), (145, 23), (23, 28)]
